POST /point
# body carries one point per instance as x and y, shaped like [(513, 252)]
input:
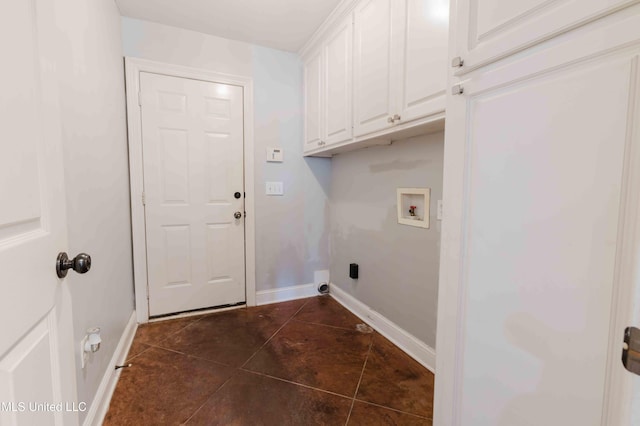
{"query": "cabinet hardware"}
[(390, 120), (396, 117), (457, 90), (457, 62)]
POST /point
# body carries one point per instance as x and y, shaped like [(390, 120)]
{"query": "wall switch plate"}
[(275, 155), (439, 210), (274, 188)]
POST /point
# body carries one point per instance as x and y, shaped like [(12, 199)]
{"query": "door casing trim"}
[(133, 68)]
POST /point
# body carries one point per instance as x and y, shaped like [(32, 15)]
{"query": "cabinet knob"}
[(396, 117), (457, 89), (390, 120), (457, 62)]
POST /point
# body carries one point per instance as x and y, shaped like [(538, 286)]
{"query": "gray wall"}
[(96, 175), (398, 264), (292, 231)]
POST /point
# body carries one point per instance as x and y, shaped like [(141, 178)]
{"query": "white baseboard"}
[(100, 404), (410, 344), (265, 297)]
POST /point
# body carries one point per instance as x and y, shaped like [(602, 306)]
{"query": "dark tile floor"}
[(304, 362)]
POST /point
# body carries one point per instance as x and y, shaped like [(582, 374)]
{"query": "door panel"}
[(422, 52), (313, 102), (34, 338), (489, 30), (373, 103), (556, 173), (193, 164), (338, 85)]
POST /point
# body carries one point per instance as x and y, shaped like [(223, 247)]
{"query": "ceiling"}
[(281, 24)]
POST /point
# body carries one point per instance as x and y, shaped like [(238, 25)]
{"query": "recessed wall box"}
[(413, 206)]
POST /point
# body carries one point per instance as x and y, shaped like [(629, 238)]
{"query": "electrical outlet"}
[(83, 353)]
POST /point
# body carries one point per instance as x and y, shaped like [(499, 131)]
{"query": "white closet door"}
[(541, 236)]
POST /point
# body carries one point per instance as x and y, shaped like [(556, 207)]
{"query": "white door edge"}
[(133, 68)]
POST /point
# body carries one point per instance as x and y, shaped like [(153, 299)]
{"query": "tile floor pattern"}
[(303, 362)]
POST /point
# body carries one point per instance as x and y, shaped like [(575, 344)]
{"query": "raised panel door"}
[(193, 164), (421, 53), (338, 87), (313, 102), (491, 29), (374, 100), (36, 340), (540, 238)]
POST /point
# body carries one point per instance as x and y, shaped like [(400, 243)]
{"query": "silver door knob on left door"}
[(237, 215), (81, 264)]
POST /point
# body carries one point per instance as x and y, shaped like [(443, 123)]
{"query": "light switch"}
[(275, 155), (274, 188), (439, 211)]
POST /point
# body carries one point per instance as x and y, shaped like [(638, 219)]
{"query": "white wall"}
[(291, 231), (90, 67), (398, 264)]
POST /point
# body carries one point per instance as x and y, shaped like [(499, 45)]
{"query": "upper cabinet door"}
[(313, 101), (423, 27), (488, 30), (338, 88), (372, 66)]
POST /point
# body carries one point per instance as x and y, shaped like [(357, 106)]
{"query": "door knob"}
[(81, 264), (237, 215)]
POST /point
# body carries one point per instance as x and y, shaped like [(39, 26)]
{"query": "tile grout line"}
[(353, 400), (201, 317), (211, 396), (257, 373), (394, 409), (331, 326), (274, 334), (238, 369)]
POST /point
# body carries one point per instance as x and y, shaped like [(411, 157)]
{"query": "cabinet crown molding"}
[(344, 8)]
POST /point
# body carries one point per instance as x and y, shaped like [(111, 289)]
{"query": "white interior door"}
[(36, 344), (192, 141), (541, 236)]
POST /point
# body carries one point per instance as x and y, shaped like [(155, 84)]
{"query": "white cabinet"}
[(337, 94), (373, 92), (313, 101), (328, 91), (400, 49), (490, 29), (421, 62), (541, 178)]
